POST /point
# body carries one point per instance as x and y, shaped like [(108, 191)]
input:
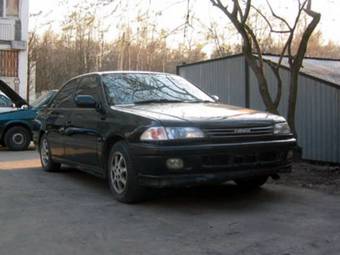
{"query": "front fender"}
[(4, 126)]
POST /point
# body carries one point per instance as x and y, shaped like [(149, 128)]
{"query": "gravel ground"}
[(315, 176)]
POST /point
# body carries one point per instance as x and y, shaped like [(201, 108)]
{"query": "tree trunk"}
[(266, 97), (263, 86)]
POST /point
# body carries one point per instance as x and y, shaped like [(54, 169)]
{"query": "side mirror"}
[(216, 98), (85, 101)]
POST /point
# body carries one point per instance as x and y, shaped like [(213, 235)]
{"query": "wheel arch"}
[(12, 124), (109, 142), (41, 133)]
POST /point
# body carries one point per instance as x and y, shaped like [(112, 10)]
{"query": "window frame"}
[(102, 93), (4, 10), (53, 103), (98, 84)]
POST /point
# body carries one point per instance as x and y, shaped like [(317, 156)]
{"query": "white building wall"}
[(18, 83), (23, 55)]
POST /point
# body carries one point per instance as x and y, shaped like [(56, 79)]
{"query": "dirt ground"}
[(322, 177), (71, 212)]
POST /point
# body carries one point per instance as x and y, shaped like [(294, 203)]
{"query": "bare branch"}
[(269, 24), (256, 44), (246, 11), (306, 35), (291, 37), (250, 42), (277, 16)]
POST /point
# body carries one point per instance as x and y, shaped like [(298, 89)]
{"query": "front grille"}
[(238, 131)]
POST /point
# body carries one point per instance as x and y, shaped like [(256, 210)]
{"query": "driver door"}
[(82, 132)]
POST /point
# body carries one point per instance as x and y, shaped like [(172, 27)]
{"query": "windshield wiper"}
[(155, 101), (201, 101)]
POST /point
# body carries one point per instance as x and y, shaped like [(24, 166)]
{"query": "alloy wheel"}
[(44, 152), (18, 138), (118, 173)]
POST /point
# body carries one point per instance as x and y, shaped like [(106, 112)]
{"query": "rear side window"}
[(89, 86), (65, 98)]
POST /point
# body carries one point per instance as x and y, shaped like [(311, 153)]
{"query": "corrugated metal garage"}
[(318, 105)]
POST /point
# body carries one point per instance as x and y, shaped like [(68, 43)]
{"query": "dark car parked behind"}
[(142, 130)]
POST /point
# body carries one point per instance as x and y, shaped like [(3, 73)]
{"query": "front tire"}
[(122, 176), (17, 138), (47, 163), (252, 182)]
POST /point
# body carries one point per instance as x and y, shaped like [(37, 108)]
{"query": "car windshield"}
[(5, 101), (43, 99), (139, 88)]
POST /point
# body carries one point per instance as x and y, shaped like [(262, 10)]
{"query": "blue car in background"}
[(17, 117)]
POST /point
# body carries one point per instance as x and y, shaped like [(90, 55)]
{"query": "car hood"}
[(16, 99), (201, 113), (7, 109)]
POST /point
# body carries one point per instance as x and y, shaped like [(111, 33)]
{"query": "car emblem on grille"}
[(242, 131)]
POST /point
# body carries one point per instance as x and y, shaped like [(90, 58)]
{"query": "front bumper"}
[(206, 163), (205, 178)]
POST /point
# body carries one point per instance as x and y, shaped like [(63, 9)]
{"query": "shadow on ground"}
[(213, 196)]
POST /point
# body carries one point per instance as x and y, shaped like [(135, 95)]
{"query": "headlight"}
[(184, 133), (171, 133), (154, 134), (282, 129)]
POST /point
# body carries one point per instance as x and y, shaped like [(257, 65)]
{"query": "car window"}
[(88, 86), (5, 101), (131, 88), (65, 98)]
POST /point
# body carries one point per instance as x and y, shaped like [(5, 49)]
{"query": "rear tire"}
[(251, 182), (17, 138), (47, 162), (122, 176)]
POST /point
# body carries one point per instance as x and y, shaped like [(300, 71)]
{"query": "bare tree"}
[(238, 13)]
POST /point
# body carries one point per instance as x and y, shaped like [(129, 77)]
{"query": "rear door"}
[(58, 118), (82, 132)]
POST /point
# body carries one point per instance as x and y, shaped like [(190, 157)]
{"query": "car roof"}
[(119, 72)]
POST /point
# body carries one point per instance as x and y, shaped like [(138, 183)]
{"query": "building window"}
[(2, 8), (12, 8), (9, 63)]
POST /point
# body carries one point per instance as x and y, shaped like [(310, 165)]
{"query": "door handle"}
[(62, 130)]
